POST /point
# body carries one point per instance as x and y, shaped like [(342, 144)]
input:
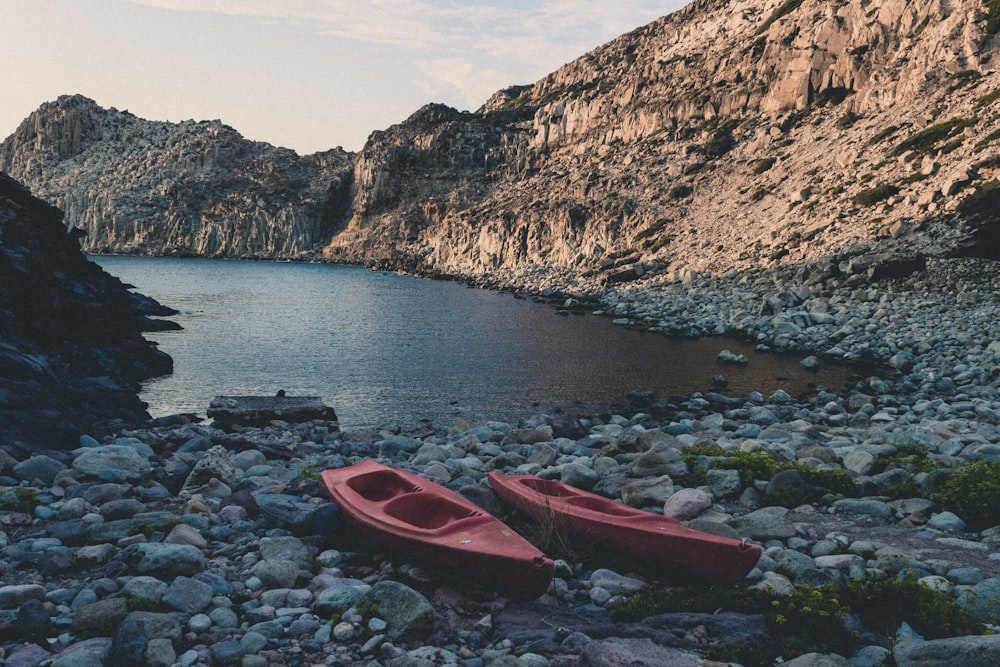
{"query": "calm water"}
[(382, 347)]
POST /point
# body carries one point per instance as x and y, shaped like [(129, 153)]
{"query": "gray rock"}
[(338, 597), (188, 595), (283, 548), (723, 483), (149, 589), (868, 506), (622, 652), (764, 524), (214, 467), (129, 645), (88, 653), (277, 573), (120, 459), (818, 660), (157, 625), (40, 467), (662, 459), (983, 599), (687, 504), (13, 596), (100, 618), (648, 492), (164, 560), (946, 521), (968, 651), (408, 613)]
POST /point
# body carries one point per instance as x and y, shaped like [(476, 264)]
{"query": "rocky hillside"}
[(194, 188), (732, 134), (71, 344)]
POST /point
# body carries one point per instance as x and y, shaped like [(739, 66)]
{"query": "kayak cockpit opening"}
[(427, 510), (381, 485)]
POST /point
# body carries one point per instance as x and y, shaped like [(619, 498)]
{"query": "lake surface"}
[(383, 348)]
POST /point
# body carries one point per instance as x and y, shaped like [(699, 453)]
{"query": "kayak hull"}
[(660, 541), (409, 514)]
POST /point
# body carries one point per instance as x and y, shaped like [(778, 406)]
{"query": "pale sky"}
[(304, 74)]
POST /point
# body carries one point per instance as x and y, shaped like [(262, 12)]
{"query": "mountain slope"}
[(728, 135), (139, 186)]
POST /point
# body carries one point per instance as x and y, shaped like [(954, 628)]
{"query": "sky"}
[(304, 74)]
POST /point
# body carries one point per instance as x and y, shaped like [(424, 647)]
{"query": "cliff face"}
[(732, 134), (194, 188), (71, 345), (729, 135)]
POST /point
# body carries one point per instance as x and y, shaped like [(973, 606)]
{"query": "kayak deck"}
[(417, 517), (658, 540)]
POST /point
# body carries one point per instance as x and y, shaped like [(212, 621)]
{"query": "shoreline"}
[(211, 546)]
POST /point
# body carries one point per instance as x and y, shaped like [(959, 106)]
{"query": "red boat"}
[(414, 516), (658, 540)]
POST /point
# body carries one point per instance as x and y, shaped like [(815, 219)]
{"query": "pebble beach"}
[(178, 543)]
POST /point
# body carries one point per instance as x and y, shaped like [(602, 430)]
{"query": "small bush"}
[(993, 10), (872, 196), (762, 165), (925, 140), (988, 98), (973, 493), (679, 192), (883, 605)]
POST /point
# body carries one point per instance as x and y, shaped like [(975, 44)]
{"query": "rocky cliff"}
[(732, 134), (71, 345), (194, 188)]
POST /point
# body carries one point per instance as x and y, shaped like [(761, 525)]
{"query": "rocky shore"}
[(178, 543)]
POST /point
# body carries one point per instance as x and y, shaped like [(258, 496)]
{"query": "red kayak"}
[(414, 516), (659, 540)]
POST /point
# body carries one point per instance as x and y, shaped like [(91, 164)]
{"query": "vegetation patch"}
[(993, 11), (721, 141), (872, 196), (928, 138), (653, 229), (812, 619), (973, 493), (763, 164), (988, 98), (987, 140), (757, 465), (679, 192)]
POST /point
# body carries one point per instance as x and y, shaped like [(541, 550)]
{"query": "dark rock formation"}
[(71, 345)]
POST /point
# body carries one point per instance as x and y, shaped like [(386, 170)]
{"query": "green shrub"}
[(988, 98), (757, 465), (925, 140), (973, 493), (811, 619), (993, 10), (872, 196), (883, 605), (763, 164), (679, 191)]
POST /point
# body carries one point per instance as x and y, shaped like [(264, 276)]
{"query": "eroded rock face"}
[(71, 345), (729, 135), (193, 188)]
